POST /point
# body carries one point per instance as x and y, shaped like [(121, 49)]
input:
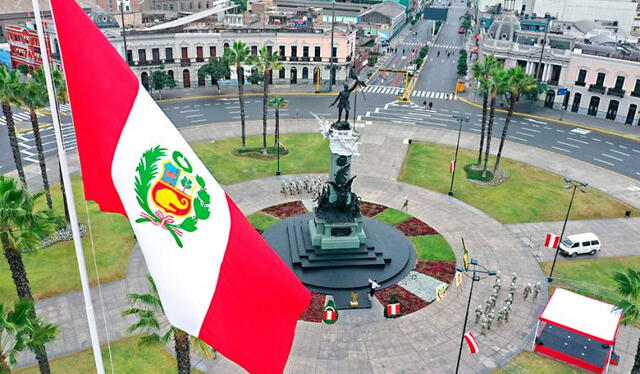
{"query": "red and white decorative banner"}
[(471, 342), (452, 166), (393, 309), (329, 315), (552, 241)]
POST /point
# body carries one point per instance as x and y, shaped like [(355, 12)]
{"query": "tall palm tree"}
[(628, 287), (20, 329), (236, 56), (494, 86), (22, 228), (33, 95), (277, 102), (515, 83), (9, 81), (266, 61), (148, 309), (482, 73)]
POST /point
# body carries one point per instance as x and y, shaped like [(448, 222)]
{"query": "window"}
[(199, 5), (575, 245), (199, 54), (282, 51), (171, 8), (129, 55), (190, 5), (335, 52), (619, 82), (316, 52), (208, 5), (270, 50), (254, 50), (142, 55), (586, 244), (600, 79), (281, 73), (305, 51), (185, 52), (168, 53), (582, 76), (595, 242), (181, 6), (636, 89), (155, 54), (212, 51), (294, 51)]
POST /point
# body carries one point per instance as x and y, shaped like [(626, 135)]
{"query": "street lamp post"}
[(124, 34), (278, 140), (544, 42), (475, 277), (333, 23), (455, 159), (575, 185)]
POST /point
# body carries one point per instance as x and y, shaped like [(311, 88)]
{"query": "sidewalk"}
[(537, 110)]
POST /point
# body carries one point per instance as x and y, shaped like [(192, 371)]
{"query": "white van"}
[(580, 244)]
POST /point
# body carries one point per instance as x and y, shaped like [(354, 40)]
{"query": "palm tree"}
[(628, 286), (515, 83), (9, 80), (494, 87), (20, 328), (33, 95), (148, 309), (277, 102), (266, 62), (236, 56), (22, 228), (482, 73)]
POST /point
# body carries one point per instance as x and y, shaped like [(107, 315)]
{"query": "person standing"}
[(373, 285)]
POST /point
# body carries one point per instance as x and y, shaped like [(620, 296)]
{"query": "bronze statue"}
[(343, 97)]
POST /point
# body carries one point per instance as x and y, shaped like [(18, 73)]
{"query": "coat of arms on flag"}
[(170, 192), (552, 241), (471, 342), (330, 313)]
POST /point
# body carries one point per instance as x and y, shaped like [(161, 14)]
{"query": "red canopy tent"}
[(578, 330)]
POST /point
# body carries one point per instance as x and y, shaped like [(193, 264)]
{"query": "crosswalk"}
[(388, 90), (446, 46), (384, 90), (19, 116), (27, 145), (433, 95)]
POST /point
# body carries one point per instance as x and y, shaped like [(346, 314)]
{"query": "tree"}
[(20, 329), (494, 80), (216, 69), (33, 95), (628, 287), (482, 73), (266, 62), (515, 83), (148, 310), (277, 102), (462, 63), (161, 80), (23, 69), (9, 82), (236, 56), (22, 228)]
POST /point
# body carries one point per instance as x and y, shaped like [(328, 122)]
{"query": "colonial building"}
[(384, 20), (185, 46), (24, 46)]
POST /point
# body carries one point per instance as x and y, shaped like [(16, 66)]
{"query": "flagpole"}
[(62, 155)]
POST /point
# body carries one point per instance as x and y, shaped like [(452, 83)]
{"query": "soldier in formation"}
[(483, 325), (478, 313), (490, 317), (526, 291), (297, 186), (536, 290)]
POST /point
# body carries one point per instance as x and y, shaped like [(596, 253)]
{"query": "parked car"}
[(461, 31), (580, 244)]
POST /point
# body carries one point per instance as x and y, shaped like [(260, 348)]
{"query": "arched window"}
[(305, 73), (186, 78), (144, 78), (293, 78), (281, 73)]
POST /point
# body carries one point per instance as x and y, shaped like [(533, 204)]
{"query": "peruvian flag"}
[(393, 309), (552, 241), (217, 278), (329, 315), (452, 166), (471, 342)]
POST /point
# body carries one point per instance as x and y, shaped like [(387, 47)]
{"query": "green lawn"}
[(530, 195), (261, 221), (433, 247), (392, 216), (54, 270), (128, 358), (532, 363), (308, 153)]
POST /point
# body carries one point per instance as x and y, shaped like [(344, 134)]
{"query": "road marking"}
[(615, 158), (580, 131), (515, 137), (198, 120), (562, 131), (569, 145), (234, 112), (596, 139), (533, 120), (194, 115), (196, 105), (577, 141), (532, 130), (189, 111), (560, 149), (176, 107), (622, 146), (534, 125), (525, 134), (609, 143), (635, 150), (618, 152), (547, 127), (604, 162)]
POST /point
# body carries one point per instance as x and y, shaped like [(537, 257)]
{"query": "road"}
[(608, 151)]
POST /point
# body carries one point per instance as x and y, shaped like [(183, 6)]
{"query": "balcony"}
[(581, 83), (305, 58), (169, 60), (553, 82), (317, 58), (143, 62), (282, 58), (155, 62), (185, 62), (293, 58), (199, 59), (635, 93), (614, 91), (597, 88)]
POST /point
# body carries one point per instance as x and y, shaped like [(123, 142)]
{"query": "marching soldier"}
[(483, 325), (490, 317), (514, 278), (487, 306), (478, 313), (507, 310), (500, 316), (536, 290), (493, 299), (526, 291), (509, 299)]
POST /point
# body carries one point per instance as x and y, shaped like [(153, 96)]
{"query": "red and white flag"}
[(329, 315), (216, 276), (452, 166), (393, 309), (552, 241), (471, 342)]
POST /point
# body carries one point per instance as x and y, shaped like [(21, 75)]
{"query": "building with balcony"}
[(24, 46), (182, 46)]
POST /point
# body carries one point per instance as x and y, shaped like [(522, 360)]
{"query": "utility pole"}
[(455, 159), (124, 34), (333, 23), (544, 42)]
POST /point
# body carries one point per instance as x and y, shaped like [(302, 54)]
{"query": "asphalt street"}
[(435, 84)]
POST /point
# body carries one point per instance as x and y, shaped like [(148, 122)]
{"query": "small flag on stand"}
[(471, 342), (452, 166), (330, 313), (552, 241), (393, 309)]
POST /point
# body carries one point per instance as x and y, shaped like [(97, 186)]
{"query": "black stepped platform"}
[(388, 256), (304, 254)]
